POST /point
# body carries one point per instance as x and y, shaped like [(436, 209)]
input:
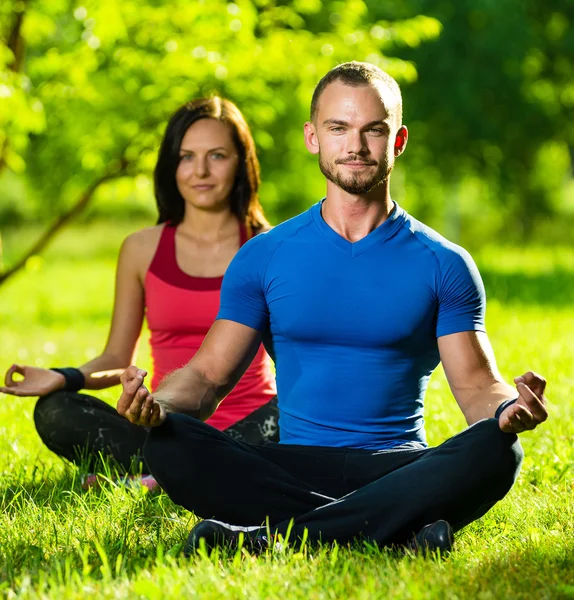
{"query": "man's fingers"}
[(131, 374), (128, 374), (132, 380), (534, 381), (517, 418), (134, 411), (124, 403), (155, 415), (158, 415), (147, 408), (132, 386), (533, 402), (521, 418)]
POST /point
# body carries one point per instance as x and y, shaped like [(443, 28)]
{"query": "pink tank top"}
[(180, 309)]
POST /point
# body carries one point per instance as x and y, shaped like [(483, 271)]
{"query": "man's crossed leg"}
[(336, 494)]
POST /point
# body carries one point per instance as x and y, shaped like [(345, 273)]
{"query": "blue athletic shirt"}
[(353, 326)]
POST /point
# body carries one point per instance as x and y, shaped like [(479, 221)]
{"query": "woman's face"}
[(207, 166)]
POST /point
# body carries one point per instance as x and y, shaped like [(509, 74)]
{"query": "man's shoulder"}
[(280, 233), (443, 249), (256, 252)]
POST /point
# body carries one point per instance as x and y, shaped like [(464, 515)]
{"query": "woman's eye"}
[(185, 157), (217, 156)]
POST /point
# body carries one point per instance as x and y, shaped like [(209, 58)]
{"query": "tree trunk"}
[(80, 204)]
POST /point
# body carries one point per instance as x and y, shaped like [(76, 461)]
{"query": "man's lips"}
[(356, 165)]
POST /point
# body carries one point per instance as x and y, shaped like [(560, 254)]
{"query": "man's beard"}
[(356, 183)]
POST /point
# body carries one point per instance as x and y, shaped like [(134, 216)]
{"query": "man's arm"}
[(479, 389), (198, 387)]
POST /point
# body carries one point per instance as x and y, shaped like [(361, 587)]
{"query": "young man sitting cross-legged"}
[(357, 302)]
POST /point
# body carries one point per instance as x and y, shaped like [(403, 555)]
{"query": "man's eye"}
[(337, 129), (376, 130)]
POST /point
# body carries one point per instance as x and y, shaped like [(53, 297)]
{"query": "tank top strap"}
[(164, 263)]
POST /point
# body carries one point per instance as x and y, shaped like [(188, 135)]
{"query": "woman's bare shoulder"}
[(145, 237), (139, 247)]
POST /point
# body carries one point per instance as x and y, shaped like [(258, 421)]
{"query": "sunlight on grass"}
[(57, 541)]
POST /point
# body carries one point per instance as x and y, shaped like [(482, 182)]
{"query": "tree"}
[(102, 77), (494, 101)]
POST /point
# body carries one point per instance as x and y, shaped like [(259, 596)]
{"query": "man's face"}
[(354, 135)]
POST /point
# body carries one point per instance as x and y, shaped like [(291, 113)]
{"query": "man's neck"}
[(353, 217)]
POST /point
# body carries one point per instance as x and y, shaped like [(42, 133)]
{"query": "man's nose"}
[(356, 142)]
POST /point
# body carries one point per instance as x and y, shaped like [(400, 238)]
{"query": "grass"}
[(57, 541)]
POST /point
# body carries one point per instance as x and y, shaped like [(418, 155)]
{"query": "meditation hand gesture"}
[(36, 382), (136, 403), (529, 410)]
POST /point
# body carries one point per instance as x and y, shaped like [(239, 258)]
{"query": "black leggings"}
[(84, 430), (335, 493)]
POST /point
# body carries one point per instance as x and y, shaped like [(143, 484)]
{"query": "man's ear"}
[(311, 139), (401, 140)]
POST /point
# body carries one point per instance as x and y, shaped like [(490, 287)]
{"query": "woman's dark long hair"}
[(244, 200)]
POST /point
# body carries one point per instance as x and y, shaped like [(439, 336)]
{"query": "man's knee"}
[(167, 443), (500, 452)]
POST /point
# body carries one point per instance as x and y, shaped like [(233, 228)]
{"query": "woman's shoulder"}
[(140, 246), (144, 237)]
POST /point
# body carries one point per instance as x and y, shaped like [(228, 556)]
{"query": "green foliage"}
[(86, 88), (102, 78), (494, 100), (57, 541)]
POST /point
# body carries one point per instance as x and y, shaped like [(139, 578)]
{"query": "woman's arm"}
[(127, 318), (103, 371)]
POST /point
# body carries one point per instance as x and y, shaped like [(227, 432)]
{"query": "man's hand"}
[(136, 403), (530, 408), (36, 382)]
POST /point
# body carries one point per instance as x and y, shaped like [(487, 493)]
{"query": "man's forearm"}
[(481, 402), (191, 392)]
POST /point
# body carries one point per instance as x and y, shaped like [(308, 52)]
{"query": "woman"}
[(206, 184)]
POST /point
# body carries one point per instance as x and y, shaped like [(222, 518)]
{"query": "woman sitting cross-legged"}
[(206, 187)]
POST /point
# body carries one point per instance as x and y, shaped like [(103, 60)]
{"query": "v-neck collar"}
[(384, 231)]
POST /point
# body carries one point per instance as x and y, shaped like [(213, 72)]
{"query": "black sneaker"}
[(219, 534), (433, 537)]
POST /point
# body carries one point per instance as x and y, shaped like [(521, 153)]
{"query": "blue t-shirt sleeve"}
[(242, 295), (461, 297)]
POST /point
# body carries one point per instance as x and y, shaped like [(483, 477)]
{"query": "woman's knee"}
[(48, 413)]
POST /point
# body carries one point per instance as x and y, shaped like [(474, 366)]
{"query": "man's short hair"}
[(357, 74)]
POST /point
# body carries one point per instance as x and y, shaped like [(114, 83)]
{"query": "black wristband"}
[(503, 406), (75, 379)]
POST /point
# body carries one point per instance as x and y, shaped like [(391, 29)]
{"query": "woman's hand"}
[(36, 382)]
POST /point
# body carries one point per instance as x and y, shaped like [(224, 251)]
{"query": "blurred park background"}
[(86, 88)]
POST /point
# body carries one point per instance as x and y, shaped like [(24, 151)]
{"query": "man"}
[(357, 302)]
